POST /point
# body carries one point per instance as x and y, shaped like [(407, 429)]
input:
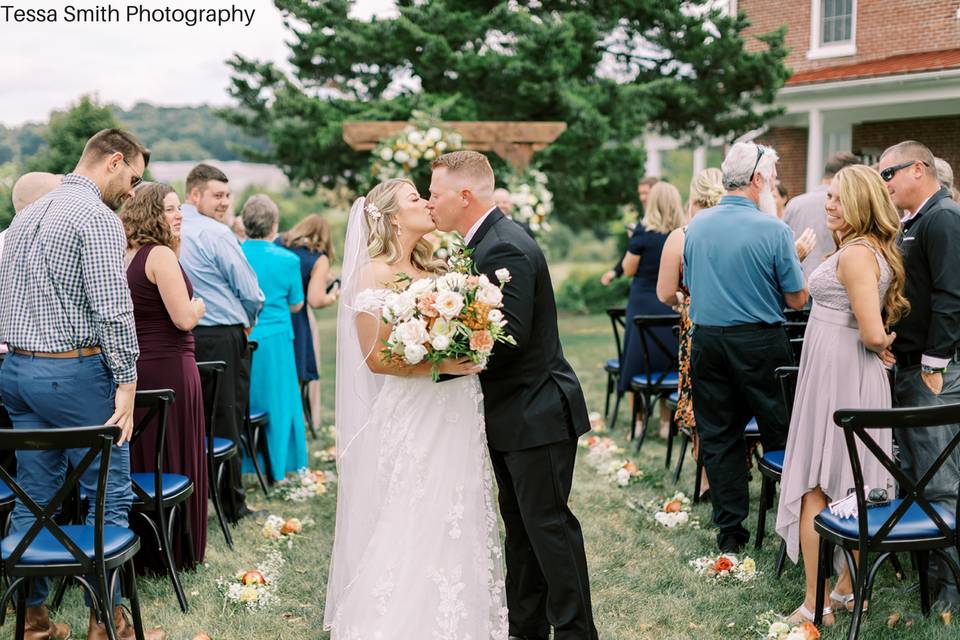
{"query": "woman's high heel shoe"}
[(802, 614), (845, 602)]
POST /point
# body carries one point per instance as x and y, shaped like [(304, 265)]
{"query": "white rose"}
[(403, 306), (415, 137), (503, 275), (401, 157), (386, 154), (452, 282), (433, 134), (448, 304), (421, 286), (414, 353), (495, 316), (412, 163), (490, 294), (413, 332), (441, 146), (439, 342), (442, 327)]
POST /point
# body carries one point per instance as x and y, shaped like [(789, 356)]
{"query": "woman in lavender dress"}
[(857, 293)]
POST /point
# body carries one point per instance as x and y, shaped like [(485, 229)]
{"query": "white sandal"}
[(807, 615), (838, 600)]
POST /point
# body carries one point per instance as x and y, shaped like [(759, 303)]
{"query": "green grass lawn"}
[(642, 585)]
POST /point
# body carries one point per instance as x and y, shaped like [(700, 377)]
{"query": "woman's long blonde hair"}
[(664, 210), (706, 189), (313, 232), (383, 239), (870, 214)]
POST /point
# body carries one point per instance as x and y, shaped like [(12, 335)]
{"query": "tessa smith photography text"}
[(131, 13)]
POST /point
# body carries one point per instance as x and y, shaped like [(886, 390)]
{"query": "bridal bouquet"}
[(457, 315)]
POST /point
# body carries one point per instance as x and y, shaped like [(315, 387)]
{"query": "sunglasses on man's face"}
[(888, 173), (135, 180)]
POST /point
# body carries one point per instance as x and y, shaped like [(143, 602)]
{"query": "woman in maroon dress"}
[(165, 311)]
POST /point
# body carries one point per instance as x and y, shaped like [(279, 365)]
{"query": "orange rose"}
[(631, 467), (673, 506), (810, 631), (425, 305), (481, 342), (293, 525), (253, 577), (723, 563)]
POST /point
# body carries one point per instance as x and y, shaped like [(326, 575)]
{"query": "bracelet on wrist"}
[(931, 370)]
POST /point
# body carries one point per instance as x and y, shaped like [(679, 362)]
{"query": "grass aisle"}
[(642, 585)]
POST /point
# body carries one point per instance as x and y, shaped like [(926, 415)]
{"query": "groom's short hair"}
[(471, 165)]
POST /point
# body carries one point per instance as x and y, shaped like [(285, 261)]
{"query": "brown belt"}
[(76, 353)]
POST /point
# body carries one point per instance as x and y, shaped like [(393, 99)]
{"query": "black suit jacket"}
[(531, 395), (931, 258)]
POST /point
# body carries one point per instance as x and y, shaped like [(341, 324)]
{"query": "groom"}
[(534, 411)]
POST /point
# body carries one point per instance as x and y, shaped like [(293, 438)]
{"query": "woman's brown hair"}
[(143, 218), (313, 232)]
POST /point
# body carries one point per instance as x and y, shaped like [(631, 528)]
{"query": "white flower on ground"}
[(503, 275), (449, 304), (623, 477)]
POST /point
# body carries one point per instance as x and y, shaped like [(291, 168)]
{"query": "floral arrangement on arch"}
[(725, 568), (254, 588), (532, 199), (421, 141)]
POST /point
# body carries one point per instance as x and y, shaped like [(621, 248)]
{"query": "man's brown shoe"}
[(39, 626), (123, 626)]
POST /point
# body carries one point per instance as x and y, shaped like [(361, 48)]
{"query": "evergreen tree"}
[(68, 132), (610, 69)]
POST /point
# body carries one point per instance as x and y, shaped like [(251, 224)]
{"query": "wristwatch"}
[(931, 370)]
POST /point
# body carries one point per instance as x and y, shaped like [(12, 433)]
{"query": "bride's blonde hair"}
[(383, 239)]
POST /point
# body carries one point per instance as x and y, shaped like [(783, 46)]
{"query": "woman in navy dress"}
[(663, 214)]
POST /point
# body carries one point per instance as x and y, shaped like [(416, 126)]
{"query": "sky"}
[(48, 65)]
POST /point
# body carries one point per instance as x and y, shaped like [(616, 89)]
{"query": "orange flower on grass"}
[(723, 563), (673, 506), (810, 631)]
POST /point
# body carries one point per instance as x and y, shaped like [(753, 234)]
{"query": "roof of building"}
[(894, 65)]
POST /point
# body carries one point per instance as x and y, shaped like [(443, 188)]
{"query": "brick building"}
[(866, 74)]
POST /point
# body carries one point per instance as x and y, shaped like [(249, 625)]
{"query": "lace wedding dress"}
[(417, 550)]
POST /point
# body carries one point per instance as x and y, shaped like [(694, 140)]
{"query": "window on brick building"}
[(832, 28), (836, 21)]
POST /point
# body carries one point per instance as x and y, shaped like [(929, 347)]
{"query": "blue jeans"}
[(48, 393)]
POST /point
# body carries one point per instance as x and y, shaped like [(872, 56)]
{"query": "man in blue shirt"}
[(224, 280), (741, 267)]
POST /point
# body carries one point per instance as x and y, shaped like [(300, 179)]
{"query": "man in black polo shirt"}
[(928, 372)]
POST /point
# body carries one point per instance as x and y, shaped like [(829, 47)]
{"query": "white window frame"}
[(819, 51)]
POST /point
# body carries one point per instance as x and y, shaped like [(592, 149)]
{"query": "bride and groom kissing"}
[(417, 550)]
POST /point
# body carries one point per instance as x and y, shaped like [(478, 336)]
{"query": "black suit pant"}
[(547, 582)]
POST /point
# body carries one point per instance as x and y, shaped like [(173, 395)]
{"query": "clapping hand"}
[(805, 243)]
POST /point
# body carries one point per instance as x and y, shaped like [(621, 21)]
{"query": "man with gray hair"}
[(741, 267), (29, 188), (945, 176), (928, 369), (808, 211)]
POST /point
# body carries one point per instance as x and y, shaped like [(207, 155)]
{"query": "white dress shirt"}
[(476, 226)]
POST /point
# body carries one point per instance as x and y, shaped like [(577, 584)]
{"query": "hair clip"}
[(373, 211)]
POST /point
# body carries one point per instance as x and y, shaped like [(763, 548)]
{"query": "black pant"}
[(547, 581), (733, 375), (229, 343)]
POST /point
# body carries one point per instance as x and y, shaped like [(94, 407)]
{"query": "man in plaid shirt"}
[(66, 314)]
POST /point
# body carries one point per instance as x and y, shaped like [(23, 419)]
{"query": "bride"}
[(416, 551)]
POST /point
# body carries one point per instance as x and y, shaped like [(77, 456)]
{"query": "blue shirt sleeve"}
[(239, 275), (789, 271)]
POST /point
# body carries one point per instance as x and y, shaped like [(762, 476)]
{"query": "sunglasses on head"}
[(757, 163), (888, 173)]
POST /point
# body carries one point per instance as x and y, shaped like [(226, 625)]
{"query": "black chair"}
[(254, 422), (160, 509), (795, 329), (651, 385), (771, 467), (617, 317), (47, 549), (219, 450), (909, 524), (8, 460)]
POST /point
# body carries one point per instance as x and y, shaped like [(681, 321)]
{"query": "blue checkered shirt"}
[(63, 285)]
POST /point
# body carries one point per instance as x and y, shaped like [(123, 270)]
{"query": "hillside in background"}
[(171, 133)]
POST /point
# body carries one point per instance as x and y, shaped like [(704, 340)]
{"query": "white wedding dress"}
[(417, 550)]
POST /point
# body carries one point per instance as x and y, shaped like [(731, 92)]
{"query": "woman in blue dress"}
[(663, 214), (310, 240), (273, 376)]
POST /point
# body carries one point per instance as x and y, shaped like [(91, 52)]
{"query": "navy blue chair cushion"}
[(774, 460), (45, 549), (613, 364), (222, 446), (257, 415), (6, 493), (753, 429), (915, 523), (672, 379), (173, 483)]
